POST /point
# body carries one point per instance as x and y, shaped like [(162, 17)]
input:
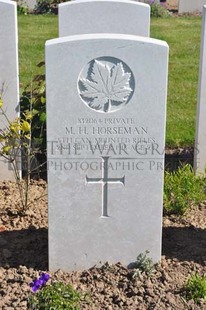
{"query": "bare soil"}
[(24, 255)]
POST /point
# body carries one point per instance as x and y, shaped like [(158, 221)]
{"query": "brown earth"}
[(24, 254)]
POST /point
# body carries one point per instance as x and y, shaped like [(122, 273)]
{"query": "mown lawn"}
[(181, 33), (34, 30), (183, 36)]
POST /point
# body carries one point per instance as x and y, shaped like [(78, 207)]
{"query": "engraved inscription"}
[(107, 84), (105, 137), (105, 180)]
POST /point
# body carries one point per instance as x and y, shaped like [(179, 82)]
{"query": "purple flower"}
[(38, 283), (44, 277)]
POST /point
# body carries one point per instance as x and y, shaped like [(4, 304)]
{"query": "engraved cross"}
[(105, 180)]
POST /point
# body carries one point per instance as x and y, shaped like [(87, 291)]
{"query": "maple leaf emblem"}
[(106, 87)]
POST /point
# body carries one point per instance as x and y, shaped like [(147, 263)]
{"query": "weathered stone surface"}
[(104, 16), (191, 6), (200, 141), (9, 80), (106, 99)]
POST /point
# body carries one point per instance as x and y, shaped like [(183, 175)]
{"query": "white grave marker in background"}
[(200, 141), (191, 6), (9, 80), (104, 16), (28, 4), (106, 112)]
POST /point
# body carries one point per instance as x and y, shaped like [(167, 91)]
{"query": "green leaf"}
[(34, 112), (43, 117), (43, 100), (25, 126)]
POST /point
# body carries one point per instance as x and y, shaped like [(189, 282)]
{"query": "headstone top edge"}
[(102, 36), (12, 3), (131, 2)]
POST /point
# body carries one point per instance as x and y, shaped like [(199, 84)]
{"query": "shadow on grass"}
[(184, 244), (27, 247)]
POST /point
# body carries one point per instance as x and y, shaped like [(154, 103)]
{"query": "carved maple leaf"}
[(106, 87)]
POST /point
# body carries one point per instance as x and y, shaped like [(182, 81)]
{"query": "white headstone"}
[(9, 80), (104, 16), (106, 105), (28, 4), (191, 6), (200, 141)]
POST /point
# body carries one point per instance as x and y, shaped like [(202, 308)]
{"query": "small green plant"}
[(15, 138), (182, 189), (56, 296), (196, 287), (33, 99), (156, 9), (16, 148), (144, 264), (22, 9)]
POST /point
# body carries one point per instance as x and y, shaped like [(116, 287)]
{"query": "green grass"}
[(34, 31), (196, 288), (183, 37), (182, 189)]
